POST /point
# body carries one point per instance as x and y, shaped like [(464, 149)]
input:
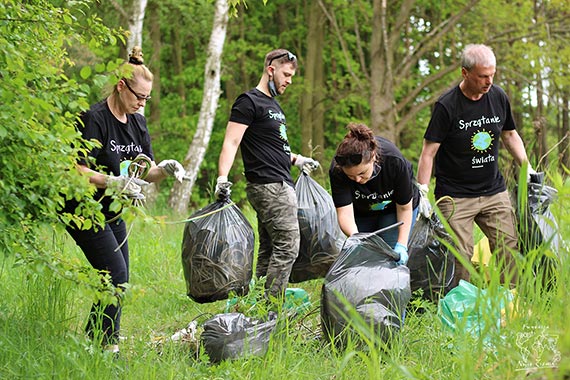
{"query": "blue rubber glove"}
[(403, 252)]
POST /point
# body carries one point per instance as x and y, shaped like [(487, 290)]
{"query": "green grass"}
[(43, 311)]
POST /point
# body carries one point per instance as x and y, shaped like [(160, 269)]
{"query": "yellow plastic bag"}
[(481, 252)]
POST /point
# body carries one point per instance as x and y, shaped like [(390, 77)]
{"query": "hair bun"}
[(136, 56)]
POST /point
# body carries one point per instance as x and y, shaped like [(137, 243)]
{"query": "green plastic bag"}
[(476, 311)]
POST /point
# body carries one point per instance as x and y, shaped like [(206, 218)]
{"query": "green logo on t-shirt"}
[(481, 141), (283, 132)]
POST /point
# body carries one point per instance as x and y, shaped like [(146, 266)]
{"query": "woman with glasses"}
[(373, 187), (124, 144)]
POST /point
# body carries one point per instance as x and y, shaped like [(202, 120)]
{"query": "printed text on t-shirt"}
[(120, 148), (479, 122), (359, 195), (276, 115)]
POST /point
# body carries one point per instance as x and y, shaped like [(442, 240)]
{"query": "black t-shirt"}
[(394, 184), (466, 164), (264, 147), (120, 143)]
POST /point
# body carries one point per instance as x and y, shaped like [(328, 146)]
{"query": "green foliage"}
[(38, 108), (42, 318)]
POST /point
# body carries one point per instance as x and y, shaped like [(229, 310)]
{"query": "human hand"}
[(306, 164), (424, 207), (403, 252), (128, 186), (174, 168), (223, 186)]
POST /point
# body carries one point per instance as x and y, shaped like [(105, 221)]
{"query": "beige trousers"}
[(495, 216)]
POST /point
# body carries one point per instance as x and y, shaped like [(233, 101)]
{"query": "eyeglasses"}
[(290, 56), (349, 159), (139, 97)]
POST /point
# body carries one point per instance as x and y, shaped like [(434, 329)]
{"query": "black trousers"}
[(106, 250)]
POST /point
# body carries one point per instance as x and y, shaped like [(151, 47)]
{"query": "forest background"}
[(383, 63), (380, 62)]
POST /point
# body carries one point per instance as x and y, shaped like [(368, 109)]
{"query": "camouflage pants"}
[(279, 236)]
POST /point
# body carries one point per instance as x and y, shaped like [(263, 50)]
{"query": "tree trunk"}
[(154, 62), (312, 104), (136, 23), (151, 192), (382, 120), (539, 124), (180, 193), (565, 131), (177, 62)]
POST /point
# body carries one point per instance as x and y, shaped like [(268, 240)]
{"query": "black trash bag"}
[(321, 237), (217, 252), (538, 226), (233, 335), (432, 266), (365, 277)]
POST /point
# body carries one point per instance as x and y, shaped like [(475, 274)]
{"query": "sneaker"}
[(113, 349)]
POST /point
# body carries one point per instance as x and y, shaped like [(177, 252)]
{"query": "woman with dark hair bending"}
[(123, 136), (373, 187)]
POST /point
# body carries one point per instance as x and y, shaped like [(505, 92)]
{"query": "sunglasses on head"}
[(139, 97), (290, 56), (349, 159)]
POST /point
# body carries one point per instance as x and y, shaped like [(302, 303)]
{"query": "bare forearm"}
[(425, 167), (346, 220), (227, 157), (515, 146), (425, 163)]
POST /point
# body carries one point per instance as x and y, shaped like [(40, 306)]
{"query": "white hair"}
[(478, 54)]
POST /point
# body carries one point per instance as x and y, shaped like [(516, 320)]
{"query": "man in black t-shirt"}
[(258, 126), (463, 139)]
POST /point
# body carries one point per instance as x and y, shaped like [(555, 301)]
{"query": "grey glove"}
[(128, 186), (173, 168), (223, 186), (306, 164), (424, 208)]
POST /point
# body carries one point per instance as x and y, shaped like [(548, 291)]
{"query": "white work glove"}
[(174, 168), (223, 186), (424, 208), (129, 186), (529, 171), (306, 164)]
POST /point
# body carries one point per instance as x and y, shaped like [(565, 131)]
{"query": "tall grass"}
[(42, 315)]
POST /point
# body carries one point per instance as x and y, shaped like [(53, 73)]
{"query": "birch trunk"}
[(180, 193), (136, 24)]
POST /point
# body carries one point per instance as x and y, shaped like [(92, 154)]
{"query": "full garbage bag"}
[(538, 226), (365, 278), (217, 252), (431, 264), (321, 237), (233, 335)]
